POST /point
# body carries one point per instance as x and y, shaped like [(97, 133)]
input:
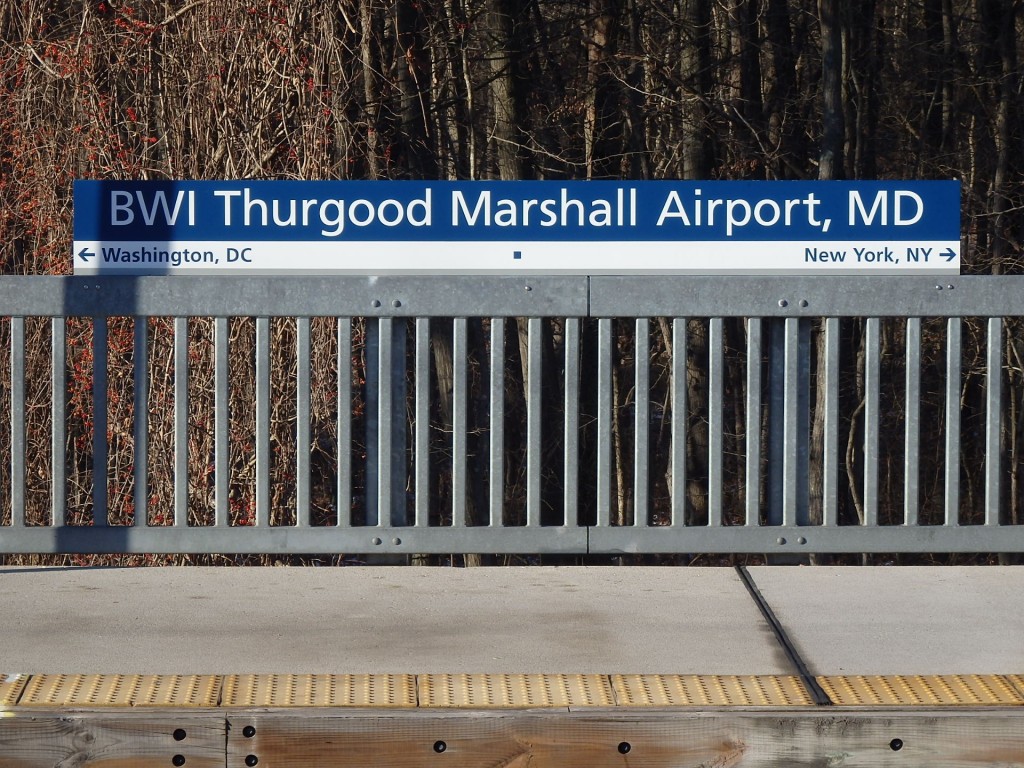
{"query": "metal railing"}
[(662, 414)]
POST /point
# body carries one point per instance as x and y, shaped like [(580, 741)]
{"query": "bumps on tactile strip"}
[(710, 691), (319, 691), (122, 691), (11, 687), (497, 691), (921, 690)]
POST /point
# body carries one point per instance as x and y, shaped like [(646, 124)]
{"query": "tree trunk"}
[(638, 164), (416, 156), (602, 122), (503, 58), (695, 74), (369, 40), (1001, 21), (867, 41), (830, 159), (746, 107), (830, 166), (783, 128)]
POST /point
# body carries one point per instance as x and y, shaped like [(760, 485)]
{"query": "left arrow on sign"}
[(85, 254)]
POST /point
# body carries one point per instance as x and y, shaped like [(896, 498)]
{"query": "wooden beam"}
[(649, 739), (123, 739), (552, 738)]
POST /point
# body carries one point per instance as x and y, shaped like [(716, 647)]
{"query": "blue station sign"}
[(573, 227)]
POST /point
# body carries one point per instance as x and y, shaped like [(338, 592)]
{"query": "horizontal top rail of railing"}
[(511, 296), (512, 414)]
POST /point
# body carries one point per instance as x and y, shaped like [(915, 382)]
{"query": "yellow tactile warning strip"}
[(710, 691), (510, 691), (121, 691), (484, 691), (11, 687), (922, 690), (319, 691)]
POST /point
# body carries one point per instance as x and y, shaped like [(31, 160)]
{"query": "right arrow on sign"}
[(949, 253)]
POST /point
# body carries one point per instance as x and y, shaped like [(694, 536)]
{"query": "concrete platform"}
[(547, 667), (407, 620), (907, 621), (382, 620)]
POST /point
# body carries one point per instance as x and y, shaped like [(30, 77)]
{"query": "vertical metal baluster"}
[(385, 336), (371, 408), (604, 422), (459, 422), (830, 452), (803, 421), (775, 466), (58, 411), (872, 384), (303, 387), (17, 422), (422, 437), (140, 424), (570, 498), (343, 490), (221, 454), (534, 413), (716, 401), (641, 424), (262, 421), (912, 435), (679, 421), (953, 365), (181, 403), (399, 502), (753, 422), (993, 408), (791, 418), (497, 419), (99, 421)]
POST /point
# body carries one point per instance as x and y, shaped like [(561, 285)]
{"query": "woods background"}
[(495, 89)]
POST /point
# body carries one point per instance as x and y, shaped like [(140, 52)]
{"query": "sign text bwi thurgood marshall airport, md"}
[(607, 227)]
